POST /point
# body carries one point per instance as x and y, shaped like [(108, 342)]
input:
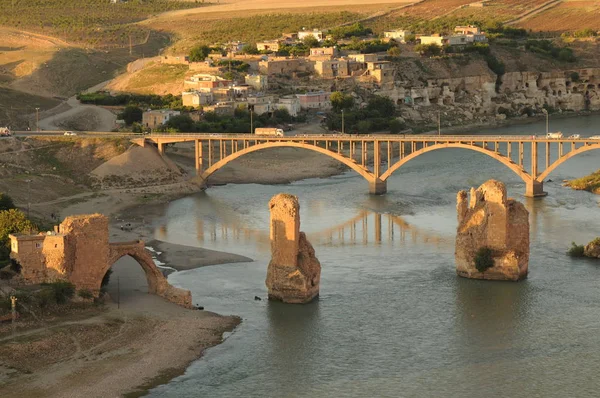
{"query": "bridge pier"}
[(161, 148), (377, 187), (535, 189)]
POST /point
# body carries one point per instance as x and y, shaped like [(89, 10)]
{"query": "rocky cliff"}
[(294, 273), (489, 220), (592, 249)]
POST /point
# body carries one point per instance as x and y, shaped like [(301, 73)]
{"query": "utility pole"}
[(37, 119), (343, 122), (118, 293), (28, 197), (130, 52), (439, 123), (547, 120)]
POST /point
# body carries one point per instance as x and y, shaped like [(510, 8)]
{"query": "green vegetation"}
[(92, 22), (378, 115), (548, 48), (576, 250), (106, 279), (235, 65), (6, 202), (341, 101), (144, 101), (581, 34), (589, 183), (238, 123), (428, 50), (484, 259), (12, 221), (85, 294), (353, 30), (367, 46), (61, 291), (199, 53), (49, 296)]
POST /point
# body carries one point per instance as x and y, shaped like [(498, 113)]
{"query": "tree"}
[(429, 50), (396, 126), (131, 114), (341, 101), (381, 106), (250, 49), (311, 41), (6, 202), (363, 127), (181, 123), (12, 221), (199, 53), (393, 51)]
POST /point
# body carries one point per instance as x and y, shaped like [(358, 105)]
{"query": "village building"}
[(205, 81), (196, 99), (332, 68), (292, 104), (433, 39), (258, 82), (314, 100), (363, 58), (281, 66), (324, 52), (316, 33), (397, 34), (156, 118), (221, 108), (381, 72), (271, 45), (467, 30)]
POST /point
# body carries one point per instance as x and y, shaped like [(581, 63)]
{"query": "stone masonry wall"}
[(489, 219), (294, 273)]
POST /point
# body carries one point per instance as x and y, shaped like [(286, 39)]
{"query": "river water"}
[(393, 319)]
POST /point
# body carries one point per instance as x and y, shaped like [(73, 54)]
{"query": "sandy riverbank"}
[(124, 347)]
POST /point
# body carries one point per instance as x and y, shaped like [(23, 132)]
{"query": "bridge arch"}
[(501, 158), (363, 171), (157, 283), (566, 157)]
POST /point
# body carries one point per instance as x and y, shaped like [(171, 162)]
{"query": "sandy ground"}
[(240, 5), (97, 118)]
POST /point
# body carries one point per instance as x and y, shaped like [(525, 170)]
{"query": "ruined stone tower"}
[(492, 221), (294, 272)]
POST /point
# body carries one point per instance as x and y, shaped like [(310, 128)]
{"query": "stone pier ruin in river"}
[(294, 272), (491, 222)]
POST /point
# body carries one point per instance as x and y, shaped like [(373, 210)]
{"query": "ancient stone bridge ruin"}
[(78, 250)]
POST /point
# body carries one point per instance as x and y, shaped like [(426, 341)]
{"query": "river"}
[(393, 319)]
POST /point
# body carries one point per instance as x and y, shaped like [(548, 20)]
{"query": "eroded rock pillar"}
[(490, 222), (535, 189), (294, 273), (377, 187)]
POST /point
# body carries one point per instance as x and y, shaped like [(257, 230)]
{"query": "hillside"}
[(567, 16)]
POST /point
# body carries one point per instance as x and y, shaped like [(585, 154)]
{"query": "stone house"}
[(258, 82), (314, 100), (332, 68), (292, 104), (271, 45), (397, 34), (155, 118), (381, 71), (316, 33), (363, 58), (281, 66), (331, 52), (433, 39), (205, 81), (196, 99), (467, 30)]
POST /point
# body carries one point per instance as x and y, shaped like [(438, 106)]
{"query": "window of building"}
[(38, 245)]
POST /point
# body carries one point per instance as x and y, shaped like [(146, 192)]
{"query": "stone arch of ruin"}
[(495, 155), (363, 171), (157, 283)]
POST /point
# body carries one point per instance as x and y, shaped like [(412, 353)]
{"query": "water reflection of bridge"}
[(367, 227)]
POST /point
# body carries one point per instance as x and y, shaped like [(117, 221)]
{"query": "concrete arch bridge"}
[(377, 157)]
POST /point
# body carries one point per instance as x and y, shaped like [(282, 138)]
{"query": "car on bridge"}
[(5, 132), (69, 133), (595, 137), (575, 136)]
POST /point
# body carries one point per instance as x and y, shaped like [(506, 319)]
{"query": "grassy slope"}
[(15, 104), (589, 183), (568, 16)]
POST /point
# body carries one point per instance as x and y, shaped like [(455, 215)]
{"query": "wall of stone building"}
[(86, 248), (31, 258), (55, 257)]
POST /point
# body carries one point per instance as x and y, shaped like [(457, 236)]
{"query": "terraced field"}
[(568, 16)]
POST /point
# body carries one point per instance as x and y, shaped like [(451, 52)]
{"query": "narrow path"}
[(528, 14)]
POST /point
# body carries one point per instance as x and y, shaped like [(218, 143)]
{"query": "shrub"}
[(45, 298), (575, 77), (6, 274), (6, 202), (484, 259), (576, 250), (85, 294), (62, 291)]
